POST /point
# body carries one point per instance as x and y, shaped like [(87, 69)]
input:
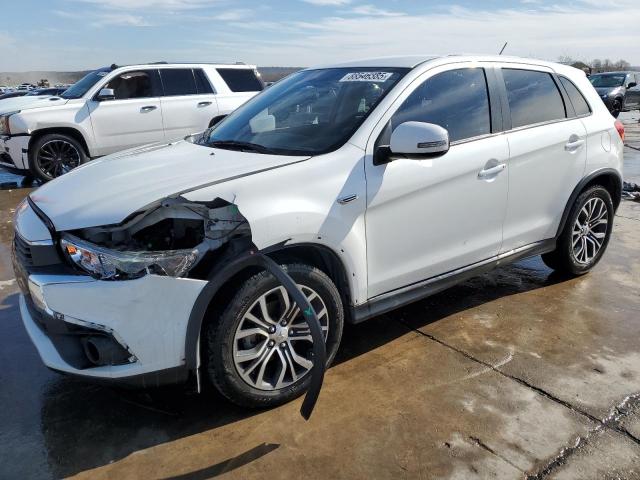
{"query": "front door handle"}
[(347, 199), (148, 108), (204, 104), (491, 171), (573, 144)]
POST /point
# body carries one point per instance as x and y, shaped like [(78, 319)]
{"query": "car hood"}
[(607, 90), (108, 190), (24, 103)]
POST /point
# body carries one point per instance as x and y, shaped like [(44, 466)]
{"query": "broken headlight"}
[(107, 264)]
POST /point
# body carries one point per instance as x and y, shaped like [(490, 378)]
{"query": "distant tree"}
[(621, 65), (43, 82), (566, 60), (582, 66)]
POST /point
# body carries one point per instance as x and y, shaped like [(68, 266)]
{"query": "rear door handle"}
[(148, 108), (491, 171), (573, 144), (204, 104)]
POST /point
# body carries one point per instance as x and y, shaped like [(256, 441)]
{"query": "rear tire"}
[(586, 234), (55, 154), (616, 108), (246, 350)]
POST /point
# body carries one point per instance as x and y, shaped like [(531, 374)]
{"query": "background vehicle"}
[(46, 91), (452, 166), (618, 90), (112, 109), (13, 94)]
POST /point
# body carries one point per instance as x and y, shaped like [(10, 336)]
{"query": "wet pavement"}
[(515, 373)]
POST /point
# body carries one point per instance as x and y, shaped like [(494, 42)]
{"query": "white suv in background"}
[(117, 108), (372, 184)]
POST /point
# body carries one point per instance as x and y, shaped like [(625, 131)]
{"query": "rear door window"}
[(533, 97), (240, 79), (457, 100), (578, 101), (178, 81)]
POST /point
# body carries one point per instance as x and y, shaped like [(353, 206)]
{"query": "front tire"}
[(55, 154), (586, 234), (259, 352)]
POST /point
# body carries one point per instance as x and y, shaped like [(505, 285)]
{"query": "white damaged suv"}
[(373, 184), (116, 108)]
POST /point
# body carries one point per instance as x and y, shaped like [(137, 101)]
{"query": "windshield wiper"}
[(243, 146)]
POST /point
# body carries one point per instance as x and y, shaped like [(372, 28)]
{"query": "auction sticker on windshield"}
[(367, 77)]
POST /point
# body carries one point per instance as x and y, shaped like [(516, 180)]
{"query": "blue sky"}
[(81, 34)]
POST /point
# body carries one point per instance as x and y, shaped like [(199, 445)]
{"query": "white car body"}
[(108, 126), (393, 228)]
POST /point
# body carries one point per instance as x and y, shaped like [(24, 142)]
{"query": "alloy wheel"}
[(57, 157), (272, 346), (590, 230)]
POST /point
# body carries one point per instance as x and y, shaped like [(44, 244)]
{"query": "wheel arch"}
[(70, 131), (227, 280), (608, 178)]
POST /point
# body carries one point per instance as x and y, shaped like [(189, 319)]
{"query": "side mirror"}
[(414, 140), (632, 84), (106, 94)]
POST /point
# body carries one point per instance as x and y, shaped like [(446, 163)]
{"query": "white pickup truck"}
[(116, 108)]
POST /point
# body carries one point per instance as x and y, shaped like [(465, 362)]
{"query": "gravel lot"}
[(515, 374)]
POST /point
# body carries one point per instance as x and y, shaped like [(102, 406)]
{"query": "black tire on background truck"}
[(55, 154), (586, 234), (258, 356)]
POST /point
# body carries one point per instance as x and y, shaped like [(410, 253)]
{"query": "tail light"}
[(620, 129)]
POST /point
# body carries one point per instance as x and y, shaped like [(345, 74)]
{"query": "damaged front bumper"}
[(139, 325)]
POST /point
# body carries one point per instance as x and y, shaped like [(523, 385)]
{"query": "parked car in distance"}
[(619, 91), (113, 109), (13, 94), (51, 91), (452, 165)]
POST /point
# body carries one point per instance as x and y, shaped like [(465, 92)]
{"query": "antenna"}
[(503, 47)]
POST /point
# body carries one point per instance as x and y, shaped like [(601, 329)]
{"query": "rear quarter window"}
[(533, 97), (240, 79), (578, 101), (202, 82)]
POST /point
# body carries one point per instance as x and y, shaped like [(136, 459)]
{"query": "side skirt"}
[(417, 291)]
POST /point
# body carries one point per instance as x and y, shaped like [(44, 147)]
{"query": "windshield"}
[(607, 81), (309, 113), (82, 86)]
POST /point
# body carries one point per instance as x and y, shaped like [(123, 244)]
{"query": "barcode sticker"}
[(367, 77)]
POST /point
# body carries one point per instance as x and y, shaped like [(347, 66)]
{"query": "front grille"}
[(23, 251)]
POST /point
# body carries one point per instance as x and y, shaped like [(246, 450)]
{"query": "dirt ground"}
[(518, 373)]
